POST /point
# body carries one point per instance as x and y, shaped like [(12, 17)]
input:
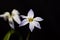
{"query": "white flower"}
[(33, 22), (14, 15)]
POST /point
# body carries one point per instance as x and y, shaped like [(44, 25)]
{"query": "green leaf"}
[(9, 33)]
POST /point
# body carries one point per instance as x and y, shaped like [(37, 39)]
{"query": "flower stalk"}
[(28, 36), (8, 34)]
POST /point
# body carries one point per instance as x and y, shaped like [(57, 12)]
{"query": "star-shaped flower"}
[(14, 15), (33, 22)]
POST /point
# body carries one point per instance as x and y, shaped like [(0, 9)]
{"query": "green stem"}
[(28, 36), (9, 33)]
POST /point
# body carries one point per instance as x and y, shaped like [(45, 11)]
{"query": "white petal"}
[(15, 11), (17, 19), (24, 22), (30, 14), (36, 24), (38, 19), (11, 23), (31, 26), (1, 15), (23, 16), (5, 15)]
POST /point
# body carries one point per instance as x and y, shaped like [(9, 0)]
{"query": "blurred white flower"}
[(14, 15), (33, 22)]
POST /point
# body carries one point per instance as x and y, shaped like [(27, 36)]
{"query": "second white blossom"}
[(33, 22)]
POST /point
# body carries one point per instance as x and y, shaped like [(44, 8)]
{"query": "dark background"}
[(47, 9)]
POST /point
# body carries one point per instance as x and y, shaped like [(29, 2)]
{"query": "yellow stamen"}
[(30, 19)]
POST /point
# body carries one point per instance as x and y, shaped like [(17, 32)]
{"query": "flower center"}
[(30, 19)]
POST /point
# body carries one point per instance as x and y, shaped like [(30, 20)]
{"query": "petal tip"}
[(14, 11), (30, 13), (31, 10), (31, 30)]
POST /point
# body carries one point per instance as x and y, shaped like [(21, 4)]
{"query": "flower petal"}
[(15, 11), (17, 19), (5, 15), (31, 26), (24, 22), (11, 23), (30, 14), (36, 24), (23, 16), (38, 19), (1, 15)]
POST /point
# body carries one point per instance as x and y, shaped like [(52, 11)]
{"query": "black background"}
[(47, 9)]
